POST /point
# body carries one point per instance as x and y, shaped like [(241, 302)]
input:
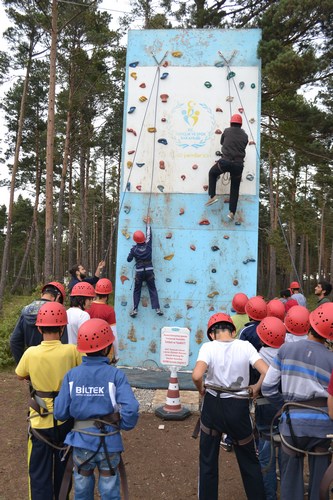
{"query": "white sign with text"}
[(175, 346)]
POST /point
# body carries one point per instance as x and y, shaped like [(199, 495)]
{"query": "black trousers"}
[(46, 468), (229, 415), (235, 169)]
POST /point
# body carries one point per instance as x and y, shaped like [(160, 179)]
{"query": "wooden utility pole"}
[(48, 258)]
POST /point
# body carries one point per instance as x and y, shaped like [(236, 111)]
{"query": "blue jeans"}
[(108, 486), (269, 476)]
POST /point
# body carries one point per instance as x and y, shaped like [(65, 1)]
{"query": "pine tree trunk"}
[(48, 257), (70, 217), (271, 291), (5, 255)]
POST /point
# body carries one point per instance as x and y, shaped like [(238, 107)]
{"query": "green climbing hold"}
[(208, 85), (231, 75), (253, 85), (241, 85)]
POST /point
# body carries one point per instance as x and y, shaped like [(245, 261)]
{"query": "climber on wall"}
[(144, 271), (233, 141)]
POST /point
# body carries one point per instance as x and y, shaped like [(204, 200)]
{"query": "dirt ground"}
[(159, 463)]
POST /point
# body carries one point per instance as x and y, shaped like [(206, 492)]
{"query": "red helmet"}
[(276, 308), (218, 318), (256, 308), (272, 331), (294, 284), (289, 304), (59, 287), (297, 320), (236, 119), (94, 335), (51, 314), (103, 286), (83, 289), (321, 320), (139, 237), (238, 302)]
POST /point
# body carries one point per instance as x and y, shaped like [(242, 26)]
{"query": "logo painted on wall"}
[(192, 124)]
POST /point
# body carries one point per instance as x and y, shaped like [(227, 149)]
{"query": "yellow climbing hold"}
[(134, 75), (129, 164), (169, 257), (212, 294), (152, 129), (142, 98), (125, 233), (176, 53)]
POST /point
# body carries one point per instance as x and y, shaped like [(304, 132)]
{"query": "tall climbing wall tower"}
[(182, 86)]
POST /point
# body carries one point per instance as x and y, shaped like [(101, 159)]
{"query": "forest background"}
[(60, 155)]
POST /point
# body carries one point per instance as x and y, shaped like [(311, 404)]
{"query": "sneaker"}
[(133, 313), (231, 215), (212, 201), (225, 443), (159, 312)]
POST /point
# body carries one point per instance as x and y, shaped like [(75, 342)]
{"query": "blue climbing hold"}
[(163, 141), (168, 280), (134, 64), (127, 209), (131, 110), (164, 76), (167, 306), (219, 64), (128, 186), (231, 74), (123, 303), (248, 260), (139, 165)]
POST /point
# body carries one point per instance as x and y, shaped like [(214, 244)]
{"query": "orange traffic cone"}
[(173, 410)]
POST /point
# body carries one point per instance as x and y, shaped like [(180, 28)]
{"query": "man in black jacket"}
[(234, 141)]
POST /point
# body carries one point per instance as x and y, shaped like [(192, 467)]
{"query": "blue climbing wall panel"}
[(181, 88)]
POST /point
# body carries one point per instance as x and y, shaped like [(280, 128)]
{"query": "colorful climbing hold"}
[(131, 152), (241, 85), (230, 75), (238, 223), (250, 177), (212, 294), (251, 143), (219, 110), (162, 165), (152, 129), (251, 120), (189, 306), (219, 64), (208, 85), (139, 187), (183, 177), (213, 270), (142, 85), (134, 75), (131, 110), (128, 186), (164, 97), (163, 141), (164, 76), (218, 131), (215, 248), (191, 282), (123, 303), (169, 257), (211, 308), (168, 236), (123, 278), (195, 167), (160, 188), (176, 53), (229, 98), (235, 282), (140, 165), (144, 302), (165, 64), (143, 98), (193, 247), (129, 164), (246, 261), (241, 110), (134, 64), (163, 119), (253, 85), (130, 130), (125, 233), (168, 280), (166, 306), (204, 222), (127, 209), (181, 211), (205, 187), (226, 237)]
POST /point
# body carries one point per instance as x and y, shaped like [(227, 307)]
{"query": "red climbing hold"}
[(164, 97), (139, 187), (183, 177), (142, 85), (205, 187), (131, 131), (218, 131), (131, 152), (181, 211), (123, 278), (162, 165), (193, 247), (195, 167), (204, 222)]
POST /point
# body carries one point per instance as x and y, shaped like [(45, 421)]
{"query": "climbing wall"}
[(182, 86)]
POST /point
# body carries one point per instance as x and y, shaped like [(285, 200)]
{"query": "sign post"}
[(175, 343)]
